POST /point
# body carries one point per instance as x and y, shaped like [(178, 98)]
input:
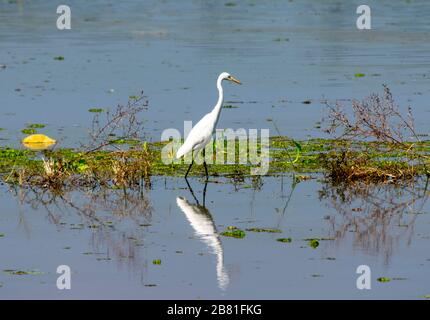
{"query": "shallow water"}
[(110, 250), (174, 53)]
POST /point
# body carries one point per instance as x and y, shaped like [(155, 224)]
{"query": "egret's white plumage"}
[(201, 133)]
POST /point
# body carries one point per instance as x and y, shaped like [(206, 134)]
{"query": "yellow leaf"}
[(38, 142)]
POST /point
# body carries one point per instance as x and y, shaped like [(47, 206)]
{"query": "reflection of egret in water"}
[(201, 220)]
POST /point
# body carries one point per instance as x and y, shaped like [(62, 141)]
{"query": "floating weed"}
[(269, 230), (230, 4), (229, 106), (233, 232), (313, 243), (156, 261), (96, 110), (284, 240), (36, 126), (1, 235), (281, 39), (59, 58), (125, 141), (22, 272), (126, 167), (426, 296), (28, 131), (359, 75), (383, 279)]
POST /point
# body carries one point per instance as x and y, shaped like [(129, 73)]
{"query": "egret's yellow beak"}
[(233, 79)]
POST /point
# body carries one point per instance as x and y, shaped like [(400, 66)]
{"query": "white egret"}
[(201, 134)]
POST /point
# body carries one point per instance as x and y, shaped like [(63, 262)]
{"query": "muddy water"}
[(284, 53)]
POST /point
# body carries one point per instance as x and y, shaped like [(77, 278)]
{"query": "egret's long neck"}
[(217, 109)]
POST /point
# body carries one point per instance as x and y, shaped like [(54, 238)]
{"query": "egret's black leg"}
[(206, 170), (204, 194), (189, 168), (204, 164)]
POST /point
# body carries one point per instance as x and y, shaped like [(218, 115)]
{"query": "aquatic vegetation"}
[(156, 261), (28, 131), (141, 160), (269, 230), (233, 232), (383, 279), (36, 126), (372, 140), (59, 58), (22, 272), (96, 110), (118, 157), (313, 243), (284, 240), (359, 75)]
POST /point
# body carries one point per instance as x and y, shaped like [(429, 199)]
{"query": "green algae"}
[(233, 232), (269, 230), (29, 131), (22, 272), (139, 159), (36, 126), (313, 243)]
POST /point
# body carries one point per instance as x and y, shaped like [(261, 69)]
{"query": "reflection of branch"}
[(130, 204), (371, 212)]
